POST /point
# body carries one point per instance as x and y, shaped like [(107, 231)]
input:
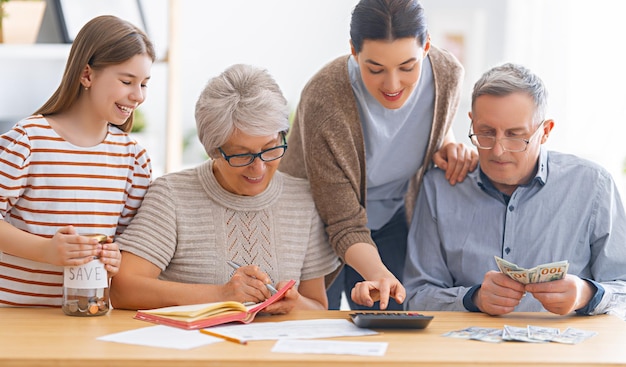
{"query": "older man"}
[(525, 204)]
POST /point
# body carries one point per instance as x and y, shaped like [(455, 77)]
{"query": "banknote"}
[(573, 336), (542, 333), (519, 334), (489, 335), (528, 334), (539, 274)]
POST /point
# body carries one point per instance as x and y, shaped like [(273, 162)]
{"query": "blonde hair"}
[(103, 41)]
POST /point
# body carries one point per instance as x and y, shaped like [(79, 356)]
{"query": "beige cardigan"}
[(326, 145)]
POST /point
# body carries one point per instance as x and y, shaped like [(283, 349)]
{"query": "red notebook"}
[(204, 315)]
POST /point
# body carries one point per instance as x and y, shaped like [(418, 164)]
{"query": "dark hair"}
[(105, 40), (387, 20)]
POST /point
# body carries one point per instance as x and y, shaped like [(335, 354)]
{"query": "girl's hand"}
[(111, 257), (70, 249)]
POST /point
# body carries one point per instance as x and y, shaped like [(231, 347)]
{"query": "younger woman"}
[(367, 127), (72, 168)]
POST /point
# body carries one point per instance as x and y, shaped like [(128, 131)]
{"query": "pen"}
[(236, 266), (225, 337)]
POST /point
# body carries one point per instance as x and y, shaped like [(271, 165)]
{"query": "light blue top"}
[(571, 210), (395, 142)]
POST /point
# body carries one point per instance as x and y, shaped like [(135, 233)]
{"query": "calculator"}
[(390, 320)]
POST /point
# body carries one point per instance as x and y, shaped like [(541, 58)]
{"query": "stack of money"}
[(539, 274), (529, 334)]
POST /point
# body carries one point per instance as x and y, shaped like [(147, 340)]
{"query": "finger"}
[(457, 164), (78, 261), (452, 165), (254, 289), (254, 271), (83, 250), (111, 246), (257, 295), (504, 281), (383, 294), (465, 167), (360, 295), (474, 157), (440, 161), (399, 293), (67, 230)]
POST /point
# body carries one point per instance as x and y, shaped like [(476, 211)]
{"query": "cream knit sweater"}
[(189, 226)]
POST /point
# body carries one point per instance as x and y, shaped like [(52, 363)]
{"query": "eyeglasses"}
[(267, 155), (514, 145)]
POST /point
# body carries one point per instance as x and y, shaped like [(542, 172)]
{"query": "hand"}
[(111, 257), (286, 304), (457, 160), (247, 285), (562, 296), (70, 249), (498, 294), (367, 292)]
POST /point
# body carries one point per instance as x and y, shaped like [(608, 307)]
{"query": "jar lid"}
[(100, 237)]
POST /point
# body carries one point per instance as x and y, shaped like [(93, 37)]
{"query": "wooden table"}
[(47, 337)]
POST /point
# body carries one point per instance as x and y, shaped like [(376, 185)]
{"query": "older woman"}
[(234, 207)]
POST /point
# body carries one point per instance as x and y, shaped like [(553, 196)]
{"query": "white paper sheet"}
[(297, 329), (374, 349), (163, 337)]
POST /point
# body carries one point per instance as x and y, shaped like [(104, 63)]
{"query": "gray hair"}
[(512, 78), (244, 98)]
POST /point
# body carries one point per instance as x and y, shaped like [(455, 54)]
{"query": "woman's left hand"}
[(286, 304), (457, 160)]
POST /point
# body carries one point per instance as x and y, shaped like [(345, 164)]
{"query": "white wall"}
[(292, 39), (574, 45)]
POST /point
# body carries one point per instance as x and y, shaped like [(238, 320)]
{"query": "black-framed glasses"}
[(514, 145), (267, 155)]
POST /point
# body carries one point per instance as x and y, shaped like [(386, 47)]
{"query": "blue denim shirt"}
[(570, 210)]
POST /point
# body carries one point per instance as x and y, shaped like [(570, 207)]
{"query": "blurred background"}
[(574, 45)]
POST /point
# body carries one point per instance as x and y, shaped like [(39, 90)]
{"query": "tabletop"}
[(47, 337)]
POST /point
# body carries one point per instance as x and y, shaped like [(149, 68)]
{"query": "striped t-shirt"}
[(47, 183)]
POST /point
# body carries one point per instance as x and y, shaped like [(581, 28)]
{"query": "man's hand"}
[(457, 160), (498, 294), (367, 292), (562, 296)]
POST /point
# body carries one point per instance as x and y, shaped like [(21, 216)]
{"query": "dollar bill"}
[(519, 334), (463, 333), (573, 336), (489, 335), (542, 333), (540, 273), (528, 334)]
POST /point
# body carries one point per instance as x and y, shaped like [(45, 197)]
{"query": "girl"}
[(72, 167)]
